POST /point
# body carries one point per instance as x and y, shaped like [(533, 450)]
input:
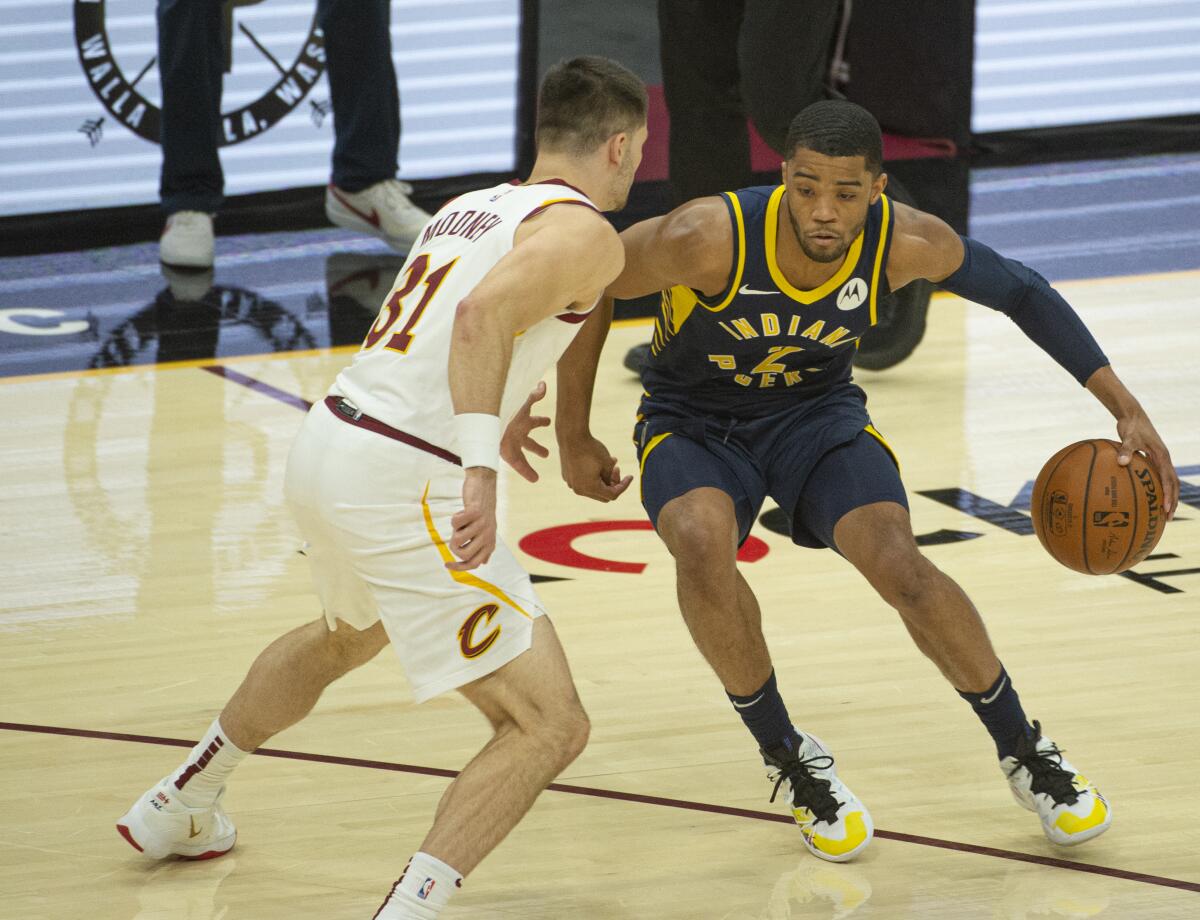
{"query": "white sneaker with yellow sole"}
[(836, 826), (1043, 781)]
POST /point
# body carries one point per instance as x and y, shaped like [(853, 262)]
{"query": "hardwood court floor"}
[(148, 557)]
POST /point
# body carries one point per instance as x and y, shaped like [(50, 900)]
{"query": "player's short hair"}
[(837, 128), (586, 100)]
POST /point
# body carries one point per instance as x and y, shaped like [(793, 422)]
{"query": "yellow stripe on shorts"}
[(463, 578)]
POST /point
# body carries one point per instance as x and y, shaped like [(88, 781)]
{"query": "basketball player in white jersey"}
[(392, 480)]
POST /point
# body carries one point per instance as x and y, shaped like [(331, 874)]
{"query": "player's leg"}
[(855, 500), (539, 728), (703, 500), (182, 815), (700, 528), (289, 676)]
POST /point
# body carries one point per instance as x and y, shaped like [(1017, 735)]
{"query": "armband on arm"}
[(1025, 297)]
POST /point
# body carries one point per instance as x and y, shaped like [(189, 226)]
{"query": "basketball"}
[(1094, 515)]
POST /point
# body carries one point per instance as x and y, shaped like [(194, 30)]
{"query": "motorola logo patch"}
[(852, 295)]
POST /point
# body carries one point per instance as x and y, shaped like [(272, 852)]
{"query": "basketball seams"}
[(1072, 471), (1134, 542), (1083, 520)]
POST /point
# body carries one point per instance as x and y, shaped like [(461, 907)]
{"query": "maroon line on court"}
[(257, 386), (630, 797)]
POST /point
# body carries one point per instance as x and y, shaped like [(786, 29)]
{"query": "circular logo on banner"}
[(118, 93)]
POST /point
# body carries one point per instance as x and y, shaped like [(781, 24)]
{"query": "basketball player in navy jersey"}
[(749, 394)]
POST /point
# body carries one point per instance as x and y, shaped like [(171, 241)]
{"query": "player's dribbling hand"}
[(517, 440), (1137, 433), (591, 471), (474, 538)]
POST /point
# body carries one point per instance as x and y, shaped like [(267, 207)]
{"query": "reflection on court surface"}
[(149, 557)]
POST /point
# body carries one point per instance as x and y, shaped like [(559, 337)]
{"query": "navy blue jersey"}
[(762, 345)]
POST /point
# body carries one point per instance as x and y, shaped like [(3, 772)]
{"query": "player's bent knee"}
[(351, 648), (699, 534), (563, 733), (905, 580)]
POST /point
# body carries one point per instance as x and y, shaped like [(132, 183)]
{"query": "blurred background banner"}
[(958, 83), (79, 97), (1053, 63)]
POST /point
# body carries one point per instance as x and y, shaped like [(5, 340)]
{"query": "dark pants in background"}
[(362, 84), (726, 60)]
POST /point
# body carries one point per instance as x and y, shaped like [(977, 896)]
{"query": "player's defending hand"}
[(474, 536), (517, 440), (590, 470), (1137, 433)]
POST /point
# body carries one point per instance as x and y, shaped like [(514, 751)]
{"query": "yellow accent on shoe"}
[(1073, 824), (856, 835)]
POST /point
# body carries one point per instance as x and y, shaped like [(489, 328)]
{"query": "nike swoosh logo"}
[(761, 695), (991, 699), (194, 832), (746, 289), (372, 218)]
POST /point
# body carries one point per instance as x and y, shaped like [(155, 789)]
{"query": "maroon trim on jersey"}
[(548, 182), (572, 317), (351, 416)]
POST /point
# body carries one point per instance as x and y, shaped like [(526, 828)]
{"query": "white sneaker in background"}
[(383, 210), (187, 240)]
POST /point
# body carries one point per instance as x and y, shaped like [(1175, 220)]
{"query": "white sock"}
[(202, 774), (422, 891)]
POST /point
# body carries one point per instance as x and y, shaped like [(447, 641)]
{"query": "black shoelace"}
[(1049, 776), (808, 791)]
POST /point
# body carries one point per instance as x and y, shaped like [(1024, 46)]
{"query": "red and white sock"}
[(422, 891), (202, 774)]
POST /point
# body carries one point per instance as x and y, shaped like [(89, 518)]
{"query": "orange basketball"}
[(1094, 515)]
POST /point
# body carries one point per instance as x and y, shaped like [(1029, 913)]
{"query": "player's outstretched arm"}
[(926, 247), (562, 258), (692, 245), (587, 465)]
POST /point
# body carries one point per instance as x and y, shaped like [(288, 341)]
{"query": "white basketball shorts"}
[(375, 517)]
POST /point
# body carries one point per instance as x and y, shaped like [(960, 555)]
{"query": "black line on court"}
[(629, 797)]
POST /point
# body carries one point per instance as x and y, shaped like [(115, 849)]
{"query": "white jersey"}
[(401, 374)]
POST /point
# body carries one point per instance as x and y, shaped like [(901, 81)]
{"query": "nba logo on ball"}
[(1094, 514), (426, 889)]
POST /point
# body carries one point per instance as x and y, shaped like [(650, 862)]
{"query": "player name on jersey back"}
[(400, 376)]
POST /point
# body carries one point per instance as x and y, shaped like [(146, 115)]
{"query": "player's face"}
[(827, 201), (631, 159)]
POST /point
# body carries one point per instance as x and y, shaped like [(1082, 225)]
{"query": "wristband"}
[(478, 437)]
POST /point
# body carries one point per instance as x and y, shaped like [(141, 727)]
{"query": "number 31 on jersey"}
[(418, 273)]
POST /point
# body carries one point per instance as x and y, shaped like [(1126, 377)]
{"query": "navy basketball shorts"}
[(817, 469)]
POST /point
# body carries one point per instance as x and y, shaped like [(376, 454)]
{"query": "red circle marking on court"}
[(554, 544)]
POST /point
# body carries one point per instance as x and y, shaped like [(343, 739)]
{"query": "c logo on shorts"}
[(466, 633)]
